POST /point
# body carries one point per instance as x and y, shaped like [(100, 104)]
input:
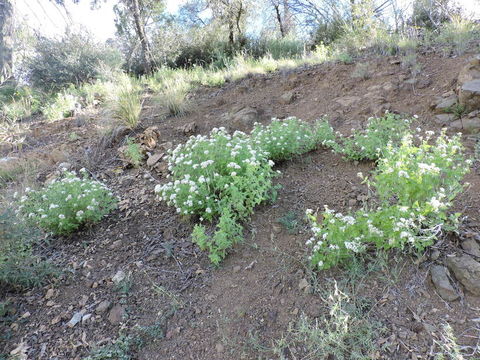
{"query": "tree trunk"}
[(140, 29), (6, 41), (279, 19)]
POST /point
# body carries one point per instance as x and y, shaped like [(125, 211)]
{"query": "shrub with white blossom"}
[(225, 176), (283, 139), (415, 185), (221, 176), (66, 204), (370, 144)]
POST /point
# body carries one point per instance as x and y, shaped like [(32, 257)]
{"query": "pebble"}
[(75, 319), (119, 277)]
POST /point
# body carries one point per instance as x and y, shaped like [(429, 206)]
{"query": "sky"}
[(52, 20)]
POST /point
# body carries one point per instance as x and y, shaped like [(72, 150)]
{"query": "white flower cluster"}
[(66, 203), (204, 167)]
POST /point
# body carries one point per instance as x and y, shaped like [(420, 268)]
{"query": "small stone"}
[(295, 311), (64, 165), (119, 277), (435, 255), (50, 293), (116, 314), (352, 202), (277, 229), (102, 307), (467, 271), (220, 348), (86, 317), (153, 159), (444, 119), (236, 269), (50, 303), (471, 247), (288, 97), (116, 244), (76, 318), (304, 285), (442, 283)]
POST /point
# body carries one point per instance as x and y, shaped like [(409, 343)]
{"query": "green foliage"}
[(345, 333), (18, 103), (63, 105), (133, 153), (283, 139), (457, 35), (449, 348), (121, 349), (67, 204), (362, 71), (175, 97), (19, 268), (426, 176), (369, 144), (458, 110), (73, 59), (218, 176), (290, 221), (415, 185), (127, 105)]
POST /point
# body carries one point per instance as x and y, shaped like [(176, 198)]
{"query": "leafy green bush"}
[(62, 106), (127, 105), (218, 176), (416, 186), (133, 153), (457, 35), (426, 176), (65, 205), (73, 59), (19, 268), (283, 139), (369, 144)]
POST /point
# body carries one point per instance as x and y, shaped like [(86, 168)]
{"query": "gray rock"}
[(445, 104), (467, 271), (76, 318), (444, 119), (467, 125), (288, 97), (119, 277), (347, 101), (116, 314), (103, 307), (470, 72), (471, 247), (153, 159), (244, 118), (64, 165), (442, 283), (469, 95)]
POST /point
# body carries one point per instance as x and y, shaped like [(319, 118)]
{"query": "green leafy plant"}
[(369, 144), (62, 106), (362, 71), (415, 185), (128, 104), (289, 221), (175, 97), (283, 139), (458, 110), (20, 269), (133, 153), (218, 176), (66, 204)]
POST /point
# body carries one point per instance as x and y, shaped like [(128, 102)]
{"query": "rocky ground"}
[(138, 267)]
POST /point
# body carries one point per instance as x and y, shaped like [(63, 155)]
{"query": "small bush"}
[(362, 71), (369, 144), (283, 139), (74, 59), (67, 204), (128, 105), (218, 176), (133, 153), (457, 35), (62, 106), (175, 97), (415, 185), (19, 268)]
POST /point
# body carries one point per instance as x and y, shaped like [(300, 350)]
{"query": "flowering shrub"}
[(426, 176), (64, 205), (415, 184), (282, 139), (369, 144), (218, 176)]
